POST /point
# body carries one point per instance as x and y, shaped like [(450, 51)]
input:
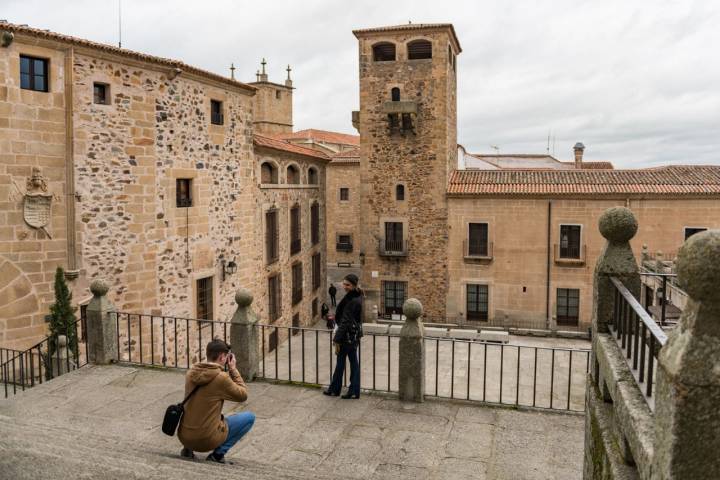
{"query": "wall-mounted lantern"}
[(228, 268)]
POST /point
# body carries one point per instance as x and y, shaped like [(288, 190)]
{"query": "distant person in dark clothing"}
[(329, 319), (347, 338), (332, 291)]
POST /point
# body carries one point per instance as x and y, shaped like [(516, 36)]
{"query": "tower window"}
[(400, 192), (419, 49), (277, 94), (33, 73), (101, 93), (384, 52), (216, 112), (395, 94), (183, 192)]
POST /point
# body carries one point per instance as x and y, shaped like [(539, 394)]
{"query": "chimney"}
[(578, 150)]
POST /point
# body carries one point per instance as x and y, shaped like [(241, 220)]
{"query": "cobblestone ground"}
[(104, 422)]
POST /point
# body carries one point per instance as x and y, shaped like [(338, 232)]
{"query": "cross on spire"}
[(232, 71)]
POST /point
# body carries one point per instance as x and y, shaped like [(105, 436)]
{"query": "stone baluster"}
[(687, 406), (412, 353), (244, 335), (101, 326)]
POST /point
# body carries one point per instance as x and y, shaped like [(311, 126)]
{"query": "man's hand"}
[(231, 361), (337, 349)]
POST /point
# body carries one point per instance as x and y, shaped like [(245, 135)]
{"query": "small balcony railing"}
[(571, 255), (477, 251), (344, 247), (393, 248)]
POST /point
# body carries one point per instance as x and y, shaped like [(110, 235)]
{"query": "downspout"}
[(548, 322), (72, 271)]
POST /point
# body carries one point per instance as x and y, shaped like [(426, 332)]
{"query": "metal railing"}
[(343, 247), (666, 278), (638, 336), (43, 361), (572, 254), (393, 248), (477, 250)]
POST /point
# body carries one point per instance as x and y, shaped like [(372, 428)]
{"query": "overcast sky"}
[(638, 82)]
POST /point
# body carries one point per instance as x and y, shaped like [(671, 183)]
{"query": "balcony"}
[(344, 247), (571, 256), (393, 248), (477, 251)]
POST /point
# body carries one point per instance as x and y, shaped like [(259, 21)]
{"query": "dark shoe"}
[(187, 453), (330, 393), (213, 457), (350, 395)]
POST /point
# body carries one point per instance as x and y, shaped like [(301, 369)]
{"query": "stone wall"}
[(273, 108), (344, 216)]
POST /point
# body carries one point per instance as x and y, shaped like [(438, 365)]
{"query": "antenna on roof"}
[(496, 148), (547, 149), (119, 23)]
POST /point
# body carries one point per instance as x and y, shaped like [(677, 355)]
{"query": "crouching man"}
[(203, 427)]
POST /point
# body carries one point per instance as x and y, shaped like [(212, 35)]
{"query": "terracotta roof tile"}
[(347, 156), (323, 136), (674, 180), (593, 165), (412, 26), (276, 144)]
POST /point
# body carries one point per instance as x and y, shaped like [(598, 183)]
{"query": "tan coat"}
[(203, 428)]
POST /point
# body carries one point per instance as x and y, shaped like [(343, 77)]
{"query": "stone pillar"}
[(60, 361), (412, 353), (687, 413), (244, 335), (101, 326)]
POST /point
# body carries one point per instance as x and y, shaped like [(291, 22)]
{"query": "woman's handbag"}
[(174, 413)]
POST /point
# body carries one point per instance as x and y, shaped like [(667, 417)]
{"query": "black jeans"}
[(349, 351), (332, 300)]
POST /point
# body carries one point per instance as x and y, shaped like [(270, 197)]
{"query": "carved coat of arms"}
[(37, 202)]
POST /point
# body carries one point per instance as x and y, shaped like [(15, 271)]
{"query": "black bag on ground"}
[(174, 413)]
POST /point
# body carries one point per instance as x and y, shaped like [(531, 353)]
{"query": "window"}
[(690, 231), (183, 192), (314, 307), (295, 242), (419, 49), (293, 175), (569, 241), (268, 173), (394, 237), (34, 73), (101, 93), (384, 52), (344, 194), (344, 243), (216, 112), (272, 236), (400, 193), (394, 294), (568, 305), (477, 240), (297, 283), (395, 94), (315, 224), (274, 298), (316, 270), (277, 94), (312, 176), (477, 302), (205, 298)]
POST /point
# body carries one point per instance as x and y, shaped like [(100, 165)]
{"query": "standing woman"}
[(348, 316)]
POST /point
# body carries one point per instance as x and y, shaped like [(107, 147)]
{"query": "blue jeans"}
[(349, 351), (238, 425)]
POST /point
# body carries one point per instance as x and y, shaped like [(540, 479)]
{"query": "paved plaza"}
[(104, 422)]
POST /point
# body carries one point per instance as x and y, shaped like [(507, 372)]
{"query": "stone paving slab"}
[(116, 412)]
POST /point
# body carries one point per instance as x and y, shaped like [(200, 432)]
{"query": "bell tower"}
[(408, 147), (273, 103)]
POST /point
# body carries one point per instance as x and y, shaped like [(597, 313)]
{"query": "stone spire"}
[(232, 71), (288, 80), (263, 77)]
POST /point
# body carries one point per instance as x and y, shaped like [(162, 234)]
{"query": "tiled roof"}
[(347, 156), (592, 165), (80, 42), (277, 144), (322, 136), (412, 26), (675, 180)]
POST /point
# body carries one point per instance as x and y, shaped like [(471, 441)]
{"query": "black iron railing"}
[(477, 250), (639, 337), (393, 248), (665, 279), (43, 361), (571, 254)]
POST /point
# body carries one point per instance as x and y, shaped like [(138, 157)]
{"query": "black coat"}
[(348, 316), (332, 290)]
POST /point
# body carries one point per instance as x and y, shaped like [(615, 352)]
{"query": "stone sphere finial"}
[(412, 308), (698, 266), (618, 224), (99, 288), (243, 297), (62, 341)]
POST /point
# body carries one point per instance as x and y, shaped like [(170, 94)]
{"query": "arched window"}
[(268, 173), (418, 49), (400, 192), (293, 175), (384, 52), (395, 94), (312, 176)]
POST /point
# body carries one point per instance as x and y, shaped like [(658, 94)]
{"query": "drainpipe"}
[(549, 253), (72, 271)]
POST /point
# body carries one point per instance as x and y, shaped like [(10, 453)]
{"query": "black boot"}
[(214, 457), (187, 453), (330, 393), (350, 395)]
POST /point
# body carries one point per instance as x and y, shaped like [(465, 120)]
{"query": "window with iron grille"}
[(568, 306), (295, 241), (315, 224), (394, 295), (316, 271), (272, 236), (383, 52), (34, 73), (183, 192), (419, 49), (477, 302), (274, 298), (297, 283), (344, 194), (394, 237), (344, 243), (101, 93), (205, 298), (314, 307), (569, 241), (216, 112), (478, 239)]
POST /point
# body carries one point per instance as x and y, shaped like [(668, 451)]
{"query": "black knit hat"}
[(352, 278)]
